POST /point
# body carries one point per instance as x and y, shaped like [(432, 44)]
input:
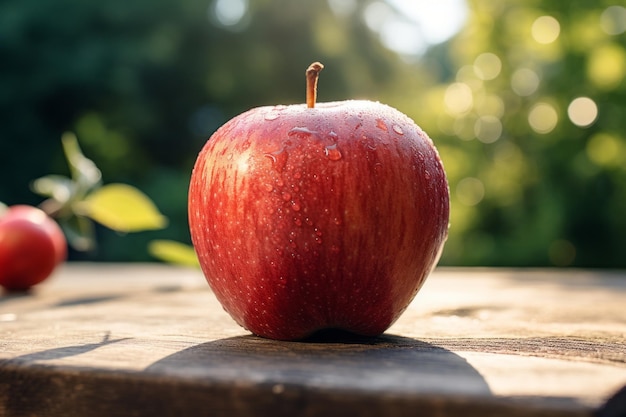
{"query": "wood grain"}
[(143, 340)]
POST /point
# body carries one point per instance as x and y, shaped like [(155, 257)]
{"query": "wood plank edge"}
[(74, 392)]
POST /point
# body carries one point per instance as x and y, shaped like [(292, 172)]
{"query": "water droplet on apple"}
[(302, 131), (297, 221), (274, 113), (278, 158), (337, 221), (427, 174), (268, 187), (381, 125), (332, 152), (295, 205), (398, 129), (318, 240), (286, 196)]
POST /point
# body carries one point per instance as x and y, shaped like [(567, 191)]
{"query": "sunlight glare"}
[(230, 12), (409, 27), (343, 8), (438, 21)]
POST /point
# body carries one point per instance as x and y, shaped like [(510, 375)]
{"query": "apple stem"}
[(312, 74)]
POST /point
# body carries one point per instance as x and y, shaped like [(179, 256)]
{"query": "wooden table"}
[(151, 340)]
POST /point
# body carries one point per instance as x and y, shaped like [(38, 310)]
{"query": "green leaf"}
[(174, 252), (123, 208), (84, 171), (80, 233)]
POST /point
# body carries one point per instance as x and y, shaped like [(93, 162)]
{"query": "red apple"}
[(311, 217), (31, 246)]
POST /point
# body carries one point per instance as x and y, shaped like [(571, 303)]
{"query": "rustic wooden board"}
[(143, 340)]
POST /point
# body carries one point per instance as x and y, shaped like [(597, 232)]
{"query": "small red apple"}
[(31, 245), (311, 217)]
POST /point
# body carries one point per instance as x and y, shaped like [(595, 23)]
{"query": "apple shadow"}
[(14, 295), (329, 374), (328, 362)]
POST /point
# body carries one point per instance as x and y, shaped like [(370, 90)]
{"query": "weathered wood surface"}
[(144, 340)]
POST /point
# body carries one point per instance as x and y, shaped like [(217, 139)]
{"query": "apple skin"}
[(330, 217), (31, 246)]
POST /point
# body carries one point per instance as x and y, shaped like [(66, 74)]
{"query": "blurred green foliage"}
[(526, 104), (79, 201), (537, 156)]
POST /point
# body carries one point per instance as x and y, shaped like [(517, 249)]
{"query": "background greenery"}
[(143, 84)]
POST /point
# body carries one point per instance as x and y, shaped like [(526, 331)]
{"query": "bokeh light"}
[(488, 129), (487, 66), (613, 20), (470, 191), (467, 75), (458, 98), (524, 82), (543, 118), (606, 66), (545, 29), (606, 150), (582, 111)]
